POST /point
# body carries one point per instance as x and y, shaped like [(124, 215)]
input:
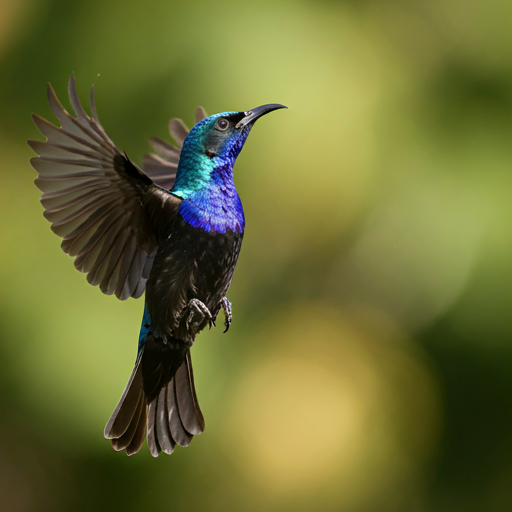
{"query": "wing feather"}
[(96, 199), (200, 114), (178, 130), (162, 166)]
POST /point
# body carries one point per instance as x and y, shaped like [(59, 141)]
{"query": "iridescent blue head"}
[(204, 179)]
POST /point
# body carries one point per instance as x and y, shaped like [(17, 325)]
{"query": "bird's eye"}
[(222, 124)]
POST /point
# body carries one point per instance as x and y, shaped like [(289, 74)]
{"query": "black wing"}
[(97, 200), (161, 167)]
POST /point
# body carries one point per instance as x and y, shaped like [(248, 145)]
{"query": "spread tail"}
[(172, 413)]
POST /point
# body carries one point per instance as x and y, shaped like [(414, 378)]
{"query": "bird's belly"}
[(191, 264)]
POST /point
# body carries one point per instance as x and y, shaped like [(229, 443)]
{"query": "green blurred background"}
[(369, 364)]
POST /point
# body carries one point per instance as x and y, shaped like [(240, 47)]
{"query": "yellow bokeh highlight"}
[(339, 400)]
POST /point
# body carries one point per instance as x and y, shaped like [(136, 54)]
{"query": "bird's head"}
[(204, 179), (223, 135), (214, 143)]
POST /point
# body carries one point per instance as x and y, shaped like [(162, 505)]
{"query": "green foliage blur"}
[(369, 364)]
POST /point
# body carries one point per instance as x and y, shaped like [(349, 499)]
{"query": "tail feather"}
[(123, 414), (140, 433), (163, 434), (188, 405), (121, 443), (178, 432), (152, 439), (172, 417)]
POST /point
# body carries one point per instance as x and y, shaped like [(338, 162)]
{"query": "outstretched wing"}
[(161, 167), (97, 200)]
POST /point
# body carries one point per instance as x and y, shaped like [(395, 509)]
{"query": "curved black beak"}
[(255, 113)]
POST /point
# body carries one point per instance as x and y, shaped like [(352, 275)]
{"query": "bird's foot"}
[(197, 308), (226, 306)]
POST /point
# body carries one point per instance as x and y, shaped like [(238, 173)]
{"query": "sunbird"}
[(172, 228)]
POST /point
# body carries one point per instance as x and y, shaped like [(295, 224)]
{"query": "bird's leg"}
[(197, 307), (226, 306)]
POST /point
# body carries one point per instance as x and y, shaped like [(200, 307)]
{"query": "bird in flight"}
[(172, 228)]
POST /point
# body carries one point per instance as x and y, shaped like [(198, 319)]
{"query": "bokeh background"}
[(369, 364)]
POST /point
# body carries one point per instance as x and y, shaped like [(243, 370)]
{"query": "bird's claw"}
[(226, 306), (197, 307)]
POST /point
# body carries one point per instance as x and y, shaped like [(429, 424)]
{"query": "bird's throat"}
[(210, 200), (214, 208)]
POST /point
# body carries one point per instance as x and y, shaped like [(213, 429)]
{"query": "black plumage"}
[(173, 229)]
